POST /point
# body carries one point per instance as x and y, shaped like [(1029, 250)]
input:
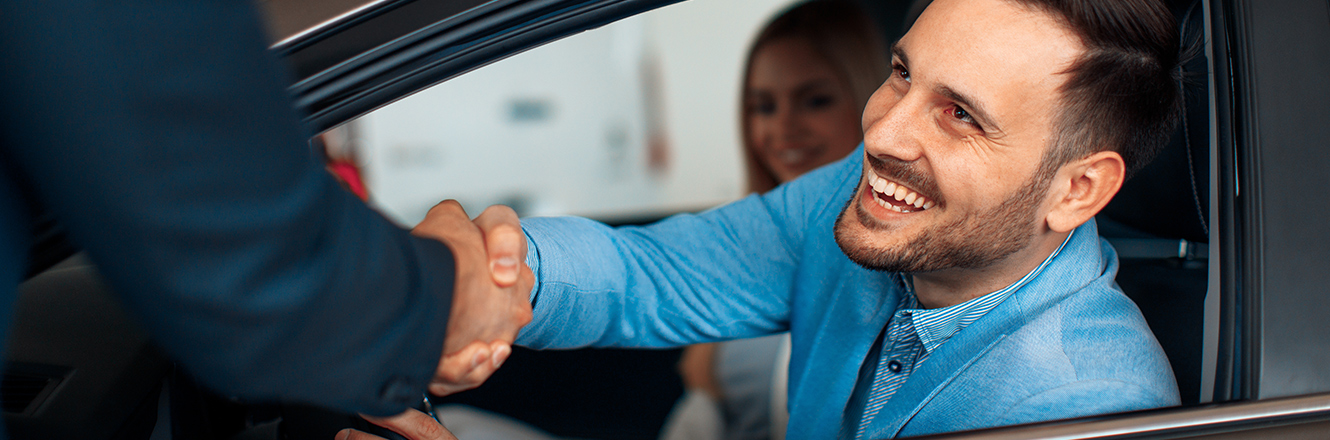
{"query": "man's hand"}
[(412, 424), (491, 299)]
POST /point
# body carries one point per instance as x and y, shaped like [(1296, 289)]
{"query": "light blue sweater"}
[(1066, 344)]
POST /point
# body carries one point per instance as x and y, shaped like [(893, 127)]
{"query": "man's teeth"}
[(899, 192)]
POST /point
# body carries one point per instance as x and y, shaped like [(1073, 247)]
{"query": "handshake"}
[(491, 294), (491, 302)]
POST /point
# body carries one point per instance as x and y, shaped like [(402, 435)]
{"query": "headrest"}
[(1170, 197)]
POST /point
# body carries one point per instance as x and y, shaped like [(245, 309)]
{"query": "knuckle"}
[(446, 206), (504, 234), (501, 211)]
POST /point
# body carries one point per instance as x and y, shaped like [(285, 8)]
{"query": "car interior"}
[(78, 366), (1159, 225)]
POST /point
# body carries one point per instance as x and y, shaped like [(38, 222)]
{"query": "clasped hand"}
[(491, 298), (491, 302)]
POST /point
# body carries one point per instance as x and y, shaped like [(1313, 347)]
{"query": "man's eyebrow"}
[(972, 105), (897, 51), (974, 108)]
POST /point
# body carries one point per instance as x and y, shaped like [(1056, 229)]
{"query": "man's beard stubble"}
[(971, 242)]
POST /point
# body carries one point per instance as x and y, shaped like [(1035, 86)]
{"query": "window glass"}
[(633, 120)]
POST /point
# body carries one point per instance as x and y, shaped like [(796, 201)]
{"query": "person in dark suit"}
[(159, 134)]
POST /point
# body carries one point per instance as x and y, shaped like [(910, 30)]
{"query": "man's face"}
[(958, 133)]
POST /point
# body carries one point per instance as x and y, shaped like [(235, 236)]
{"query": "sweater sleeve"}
[(723, 274)]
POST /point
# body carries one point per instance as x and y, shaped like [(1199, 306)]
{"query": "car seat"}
[(77, 365)]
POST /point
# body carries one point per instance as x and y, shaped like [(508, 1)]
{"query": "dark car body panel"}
[(1281, 63)]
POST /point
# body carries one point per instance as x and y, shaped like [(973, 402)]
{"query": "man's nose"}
[(896, 129)]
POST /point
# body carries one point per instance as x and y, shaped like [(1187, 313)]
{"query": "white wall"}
[(563, 128), (704, 44)]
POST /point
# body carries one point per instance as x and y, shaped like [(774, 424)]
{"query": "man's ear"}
[(1082, 188)]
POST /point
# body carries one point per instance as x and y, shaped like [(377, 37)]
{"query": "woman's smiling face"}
[(801, 113)]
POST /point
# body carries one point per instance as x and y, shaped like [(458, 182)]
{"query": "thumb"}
[(504, 242)]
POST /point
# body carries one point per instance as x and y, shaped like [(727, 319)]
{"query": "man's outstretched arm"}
[(726, 273)]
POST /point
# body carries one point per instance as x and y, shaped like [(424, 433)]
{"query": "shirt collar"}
[(935, 326)]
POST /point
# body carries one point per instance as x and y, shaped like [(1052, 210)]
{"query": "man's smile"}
[(895, 196)]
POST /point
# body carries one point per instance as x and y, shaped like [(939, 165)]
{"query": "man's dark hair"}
[(1123, 92)]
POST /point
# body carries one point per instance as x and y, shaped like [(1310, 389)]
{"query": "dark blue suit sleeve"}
[(160, 134)]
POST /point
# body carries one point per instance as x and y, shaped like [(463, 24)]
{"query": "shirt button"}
[(894, 366)]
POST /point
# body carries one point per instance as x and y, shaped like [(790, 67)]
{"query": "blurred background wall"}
[(632, 120)]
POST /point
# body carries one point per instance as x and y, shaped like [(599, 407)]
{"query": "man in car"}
[(160, 135), (963, 285)]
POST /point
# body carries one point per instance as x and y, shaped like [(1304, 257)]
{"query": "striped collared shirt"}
[(911, 336)]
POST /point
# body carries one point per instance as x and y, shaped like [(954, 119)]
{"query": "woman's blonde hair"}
[(839, 31)]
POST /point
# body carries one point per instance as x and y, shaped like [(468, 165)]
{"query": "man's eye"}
[(964, 116), (900, 70)]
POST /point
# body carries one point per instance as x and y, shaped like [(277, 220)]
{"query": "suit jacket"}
[(159, 133), (1068, 343)]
